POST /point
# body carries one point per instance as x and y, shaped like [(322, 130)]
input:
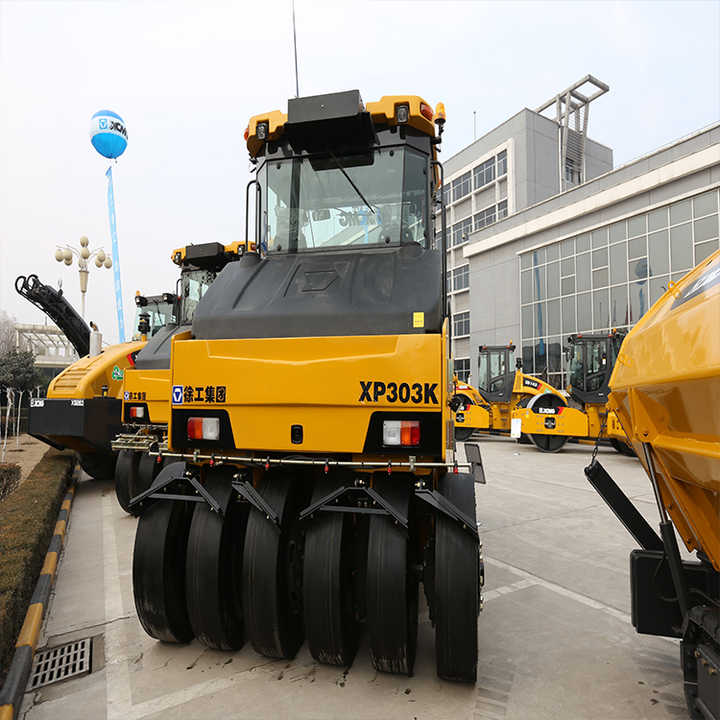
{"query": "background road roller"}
[(145, 392), (549, 420), (312, 484), (502, 387), (665, 390), (82, 407)]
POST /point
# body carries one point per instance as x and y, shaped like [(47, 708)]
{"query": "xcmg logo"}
[(112, 126)]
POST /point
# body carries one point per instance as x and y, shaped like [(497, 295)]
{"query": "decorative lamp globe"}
[(108, 262), (84, 252), (67, 254), (101, 256), (98, 262), (59, 255), (84, 242), (68, 260)]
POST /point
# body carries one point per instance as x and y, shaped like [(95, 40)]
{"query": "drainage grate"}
[(60, 663)]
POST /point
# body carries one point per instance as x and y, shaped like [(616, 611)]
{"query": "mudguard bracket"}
[(167, 477), (623, 508), (441, 504), (247, 492), (331, 503)]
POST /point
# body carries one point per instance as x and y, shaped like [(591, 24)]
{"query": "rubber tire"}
[(148, 469), (99, 466), (331, 628), (622, 447), (159, 571), (273, 612), (462, 434), (456, 591), (126, 473), (213, 578), (392, 585)]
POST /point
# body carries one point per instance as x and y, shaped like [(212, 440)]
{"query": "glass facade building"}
[(608, 277)]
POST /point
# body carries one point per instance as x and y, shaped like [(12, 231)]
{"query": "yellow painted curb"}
[(31, 627), (6, 712), (50, 564), (60, 526), (66, 504)]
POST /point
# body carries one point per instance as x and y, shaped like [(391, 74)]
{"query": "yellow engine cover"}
[(329, 385), (86, 376), (666, 391)]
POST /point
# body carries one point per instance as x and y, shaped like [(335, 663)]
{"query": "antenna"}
[(297, 82)]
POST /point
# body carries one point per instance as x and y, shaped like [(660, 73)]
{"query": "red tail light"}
[(401, 432), (200, 428)]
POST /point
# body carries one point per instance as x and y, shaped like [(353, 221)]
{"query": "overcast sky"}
[(186, 77)]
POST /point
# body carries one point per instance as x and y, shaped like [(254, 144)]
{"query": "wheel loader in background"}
[(501, 389), (665, 390), (550, 420), (145, 408), (314, 387)]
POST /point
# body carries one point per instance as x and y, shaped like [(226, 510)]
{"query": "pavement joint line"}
[(507, 589), (560, 590), (571, 594), (13, 689), (117, 675)]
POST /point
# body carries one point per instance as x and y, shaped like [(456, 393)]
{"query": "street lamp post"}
[(65, 253)]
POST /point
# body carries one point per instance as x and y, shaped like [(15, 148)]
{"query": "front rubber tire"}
[(159, 571)]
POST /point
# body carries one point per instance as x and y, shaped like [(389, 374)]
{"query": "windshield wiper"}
[(349, 179)]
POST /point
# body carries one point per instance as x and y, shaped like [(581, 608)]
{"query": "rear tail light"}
[(426, 111), (203, 428), (405, 433), (137, 411)]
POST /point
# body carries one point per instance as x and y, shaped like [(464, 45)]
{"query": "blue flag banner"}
[(115, 256)]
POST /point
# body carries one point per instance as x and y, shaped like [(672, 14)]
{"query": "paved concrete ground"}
[(555, 636)]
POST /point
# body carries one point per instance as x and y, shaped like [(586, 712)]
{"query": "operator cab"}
[(343, 222), (496, 374), (591, 362), (153, 312)]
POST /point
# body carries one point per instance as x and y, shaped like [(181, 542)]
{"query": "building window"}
[(485, 217), (502, 163), (572, 172), (461, 278), (461, 324), (447, 193), (484, 173), (461, 186), (502, 209), (611, 276), (461, 231), (462, 369)]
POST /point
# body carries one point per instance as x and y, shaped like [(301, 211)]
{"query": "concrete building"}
[(53, 353), (589, 258), (526, 159)]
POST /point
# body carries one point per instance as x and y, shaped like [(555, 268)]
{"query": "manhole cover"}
[(60, 663)]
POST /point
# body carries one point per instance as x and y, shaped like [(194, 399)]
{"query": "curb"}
[(17, 678)]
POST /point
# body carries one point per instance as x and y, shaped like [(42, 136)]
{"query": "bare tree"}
[(7, 333)]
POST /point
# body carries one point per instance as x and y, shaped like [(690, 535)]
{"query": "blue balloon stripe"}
[(110, 113), (115, 256)]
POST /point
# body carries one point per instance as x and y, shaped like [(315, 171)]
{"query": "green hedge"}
[(9, 478), (27, 523)]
